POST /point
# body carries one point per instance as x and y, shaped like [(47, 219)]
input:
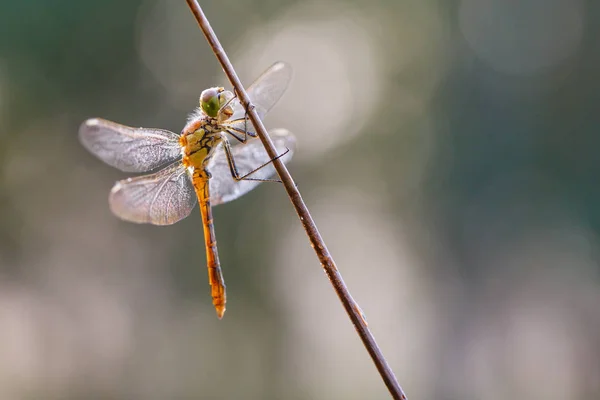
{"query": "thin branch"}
[(352, 308)]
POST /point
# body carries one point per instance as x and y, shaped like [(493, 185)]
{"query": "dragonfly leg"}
[(249, 107), (233, 133), (233, 168), (241, 135)]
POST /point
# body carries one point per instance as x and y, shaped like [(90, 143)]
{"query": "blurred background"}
[(447, 150)]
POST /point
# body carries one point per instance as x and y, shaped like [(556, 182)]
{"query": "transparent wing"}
[(129, 149), (162, 198), (264, 93), (224, 188)]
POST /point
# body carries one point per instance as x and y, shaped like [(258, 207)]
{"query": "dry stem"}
[(352, 308)]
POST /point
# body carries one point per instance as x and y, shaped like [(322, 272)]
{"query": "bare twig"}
[(309, 225)]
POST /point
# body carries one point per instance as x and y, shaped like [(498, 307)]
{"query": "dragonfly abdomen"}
[(215, 274)]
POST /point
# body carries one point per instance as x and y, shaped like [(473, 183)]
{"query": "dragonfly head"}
[(210, 101)]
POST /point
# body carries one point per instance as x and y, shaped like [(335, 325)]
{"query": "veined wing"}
[(264, 93), (248, 156), (129, 149), (162, 198)]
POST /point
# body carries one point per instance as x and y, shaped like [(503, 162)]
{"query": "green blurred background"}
[(447, 150)]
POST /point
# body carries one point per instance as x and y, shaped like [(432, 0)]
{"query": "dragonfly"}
[(199, 165)]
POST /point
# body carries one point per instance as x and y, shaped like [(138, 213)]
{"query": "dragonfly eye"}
[(209, 102)]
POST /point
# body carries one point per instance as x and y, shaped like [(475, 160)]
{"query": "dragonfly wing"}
[(248, 156), (162, 198), (264, 93), (129, 149), (268, 88)]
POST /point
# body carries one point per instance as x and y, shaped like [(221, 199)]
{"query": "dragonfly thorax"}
[(199, 143), (202, 134)]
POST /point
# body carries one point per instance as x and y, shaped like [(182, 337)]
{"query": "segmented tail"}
[(215, 274)]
